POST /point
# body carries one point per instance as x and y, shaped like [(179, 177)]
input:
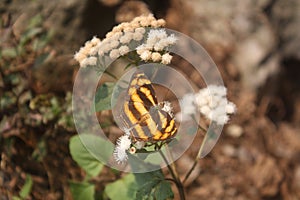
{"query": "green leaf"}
[(103, 97), (9, 52), (82, 191), (88, 150), (40, 151), (163, 191), (145, 191), (35, 21), (40, 60), (123, 189), (141, 178), (7, 99), (26, 189), (152, 185), (83, 157), (28, 35)]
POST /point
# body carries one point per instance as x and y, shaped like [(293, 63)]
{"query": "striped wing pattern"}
[(142, 114)]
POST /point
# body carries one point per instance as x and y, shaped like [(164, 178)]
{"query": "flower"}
[(117, 42), (157, 42), (123, 50), (172, 39), (155, 57), (89, 49), (161, 22), (146, 55), (114, 54), (230, 108), (157, 34), (167, 107), (120, 155), (140, 30), (95, 41), (79, 56), (128, 29), (211, 102), (93, 51), (188, 108), (126, 38), (140, 49), (90, 61), (132, 150), (123, 144), (166, 59), (138, 36), (113, 44)]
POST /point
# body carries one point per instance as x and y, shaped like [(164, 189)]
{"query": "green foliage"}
[(51, 109), (26, 189), (9, 52), (152, 185), (84, 150), (122, 189), (103, 97), (82, 191), (7, 100), (33, 36), (66, 119), (40, 151)]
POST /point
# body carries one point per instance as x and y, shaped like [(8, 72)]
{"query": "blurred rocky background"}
[(255, 44)]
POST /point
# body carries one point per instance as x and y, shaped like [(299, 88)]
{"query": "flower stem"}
[(174, 174), (191, 170), (197, 157)]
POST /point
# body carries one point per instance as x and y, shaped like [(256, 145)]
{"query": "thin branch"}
[(174, 175), (191, 170)]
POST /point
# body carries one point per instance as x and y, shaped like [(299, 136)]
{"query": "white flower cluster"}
[(85, 56), (156, 44), (116, 43), (210, 102)]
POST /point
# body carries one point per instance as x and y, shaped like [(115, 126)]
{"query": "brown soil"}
[(262, 161)]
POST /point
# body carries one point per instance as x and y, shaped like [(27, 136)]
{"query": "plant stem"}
[(197, 157), (175, 176), (191, 170), (110, 74), (178, 181)]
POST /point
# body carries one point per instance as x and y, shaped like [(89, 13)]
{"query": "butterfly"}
[(145, 118)]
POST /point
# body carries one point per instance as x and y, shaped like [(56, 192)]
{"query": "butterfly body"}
[(143, 115)]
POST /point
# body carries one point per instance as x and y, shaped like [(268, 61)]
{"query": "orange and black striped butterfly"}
[(143, 115)]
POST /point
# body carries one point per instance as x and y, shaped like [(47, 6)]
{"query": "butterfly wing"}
[(142, 115)]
